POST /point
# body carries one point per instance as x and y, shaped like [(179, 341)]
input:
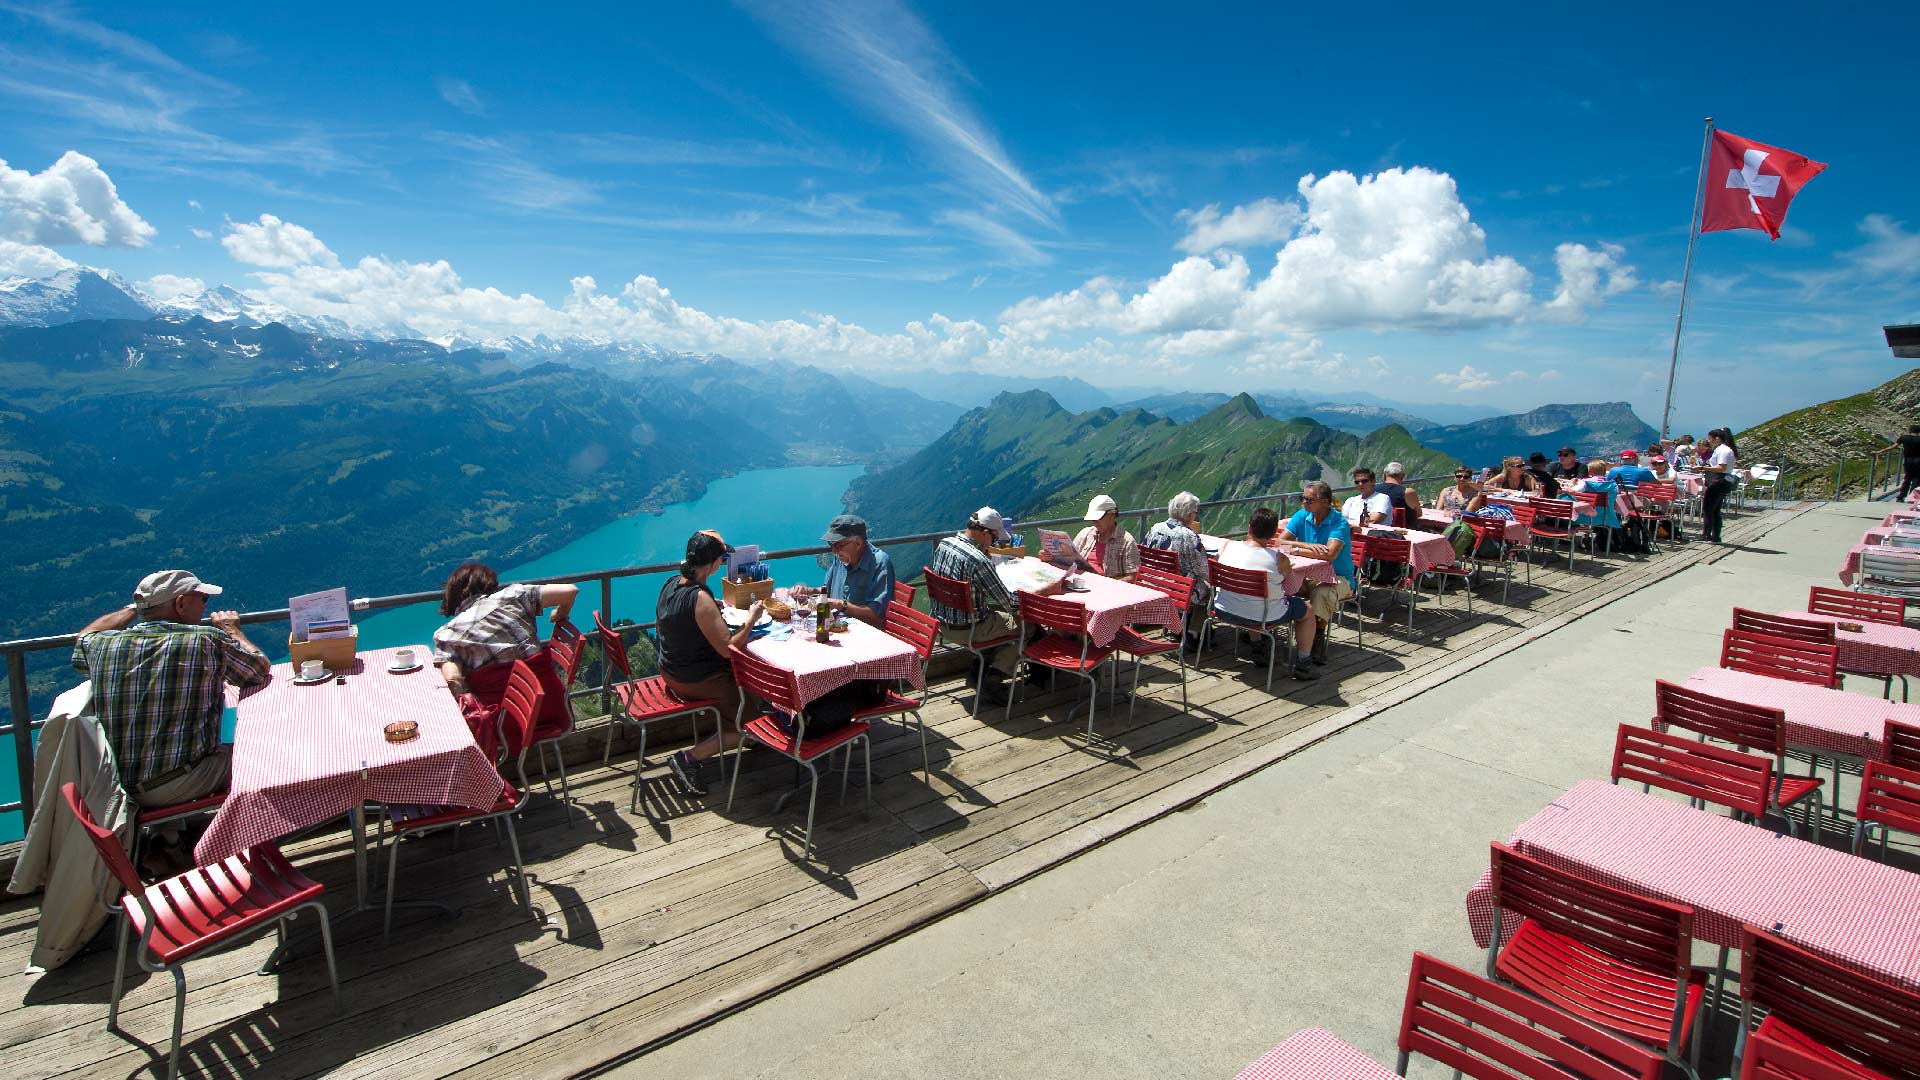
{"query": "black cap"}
[(1537, 458), (704, 547), (1569, 450), (845, 527)]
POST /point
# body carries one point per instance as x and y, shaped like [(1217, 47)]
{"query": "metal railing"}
[(16, 651)]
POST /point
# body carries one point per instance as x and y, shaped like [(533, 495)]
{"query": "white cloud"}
[(30, 260), (203, 234), (1467, 380), (1587, 277), (460, 94), (193, 204), (272, 242), (1016, 247), (1196, 294), (169, 286), (72, 202), (1268, 221), (506, 175), (1890, 249)]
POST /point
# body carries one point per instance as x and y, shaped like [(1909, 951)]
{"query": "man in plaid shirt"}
[(996, 615), (159, 677)]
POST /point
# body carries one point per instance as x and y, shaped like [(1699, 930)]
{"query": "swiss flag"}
[(1749, 184)]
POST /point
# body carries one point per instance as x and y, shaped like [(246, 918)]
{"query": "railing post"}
[(606, 669), (1872, 460), (1839, 469), (22, 733)]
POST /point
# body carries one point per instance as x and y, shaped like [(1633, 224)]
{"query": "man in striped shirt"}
[(996, 615), (159, 686)]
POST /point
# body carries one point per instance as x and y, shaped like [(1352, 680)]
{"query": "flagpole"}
[(1693, 233)]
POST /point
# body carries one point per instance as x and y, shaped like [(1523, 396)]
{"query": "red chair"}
[(1164, 560), (1889, 798), (1700, 771), (193, 913), (1780, 658), (1490, 535), (1604, 955), (520, 706), (958, 595), (643, 701), (1743, 725), (1064, 646), (1780, 1056), (1393, 551), (1862, 608), (1553, 519), (1903, 745), (1253, 585), (1179, 590), (1524, 515), (1652, 504), (149, 819), (1825, 1009), (1399, 520), (1489, 1032), (1812, 631), (920, 630), (776, 686), (903, 593), (565, 645)]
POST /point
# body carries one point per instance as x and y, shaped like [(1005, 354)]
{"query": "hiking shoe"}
[(1320, 647), (1303, 672), (687, 772)]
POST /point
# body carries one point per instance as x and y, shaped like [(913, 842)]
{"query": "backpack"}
[(1460, 535)]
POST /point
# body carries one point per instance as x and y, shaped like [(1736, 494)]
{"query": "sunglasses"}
[(1462, 476)]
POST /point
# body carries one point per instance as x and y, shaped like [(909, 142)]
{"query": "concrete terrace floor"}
[(1293, 898)]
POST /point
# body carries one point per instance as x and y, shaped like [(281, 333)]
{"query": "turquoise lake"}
[(774, 508)]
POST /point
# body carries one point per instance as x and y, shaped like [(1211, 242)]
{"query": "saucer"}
[(301, 680), (395, 669)]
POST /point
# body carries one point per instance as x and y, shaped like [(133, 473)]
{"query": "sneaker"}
[(687, 772), (1303, 670)]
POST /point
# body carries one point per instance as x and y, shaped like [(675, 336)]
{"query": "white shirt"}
[(1377, 503), (1239, 553), (1723, 455)]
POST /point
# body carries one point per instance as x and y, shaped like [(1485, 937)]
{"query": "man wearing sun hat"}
[(159, 685), (1630, 474)]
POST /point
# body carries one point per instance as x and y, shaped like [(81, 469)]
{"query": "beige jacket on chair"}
[(58, 855)]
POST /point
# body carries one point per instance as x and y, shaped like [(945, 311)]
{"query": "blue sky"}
[(1497, 211)]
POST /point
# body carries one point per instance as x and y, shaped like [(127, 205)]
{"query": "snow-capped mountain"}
[(78, 292), (224, 303)]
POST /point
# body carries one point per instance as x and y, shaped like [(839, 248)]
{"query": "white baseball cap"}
[(1100, 507), (989, 519), (159, 588)]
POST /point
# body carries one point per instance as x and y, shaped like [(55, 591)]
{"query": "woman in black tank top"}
[(693, 650)]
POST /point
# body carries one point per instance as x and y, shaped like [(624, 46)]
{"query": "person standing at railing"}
[(491, 627), (159, 689), (860, 578), (1909, 447), (1718, 467)]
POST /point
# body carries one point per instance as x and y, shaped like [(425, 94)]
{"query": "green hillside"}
[(1807, 443)]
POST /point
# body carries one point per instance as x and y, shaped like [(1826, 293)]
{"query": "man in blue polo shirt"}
[(1316, 532), (1630, 474), (860, 578)]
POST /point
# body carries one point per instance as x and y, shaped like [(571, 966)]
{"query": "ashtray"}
[(402, 731), (1851, 627)]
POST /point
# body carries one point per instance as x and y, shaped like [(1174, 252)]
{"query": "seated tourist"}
[(1316, 532), (996, 614), (1180, 534), (694, 640), (159, 690), (1683, 455), (1368, 506), (1569, 466), (1661, 470), (490, 628), (1630, 474), (1464, 496), (1257, 552), (1596, 482), (1542, 473), (860, 578), (1398, 494), (1109, 549), (1513, 476)]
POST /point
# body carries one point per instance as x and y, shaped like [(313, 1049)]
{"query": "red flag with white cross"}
[(1749, 184)]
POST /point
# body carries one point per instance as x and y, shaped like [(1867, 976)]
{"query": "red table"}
[(1900, 517), (1819, 718), (1440, 519), (863, 652), (1427, 550), (1852, 565), (1110, 603), (303, 755), (1874, 649), (1315, 1054), (1860, 913)]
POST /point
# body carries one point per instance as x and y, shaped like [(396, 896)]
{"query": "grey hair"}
[(1183, 506), (1316, 489), (1394, 468)]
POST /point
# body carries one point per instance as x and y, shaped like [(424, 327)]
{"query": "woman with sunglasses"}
[(1464, 497)]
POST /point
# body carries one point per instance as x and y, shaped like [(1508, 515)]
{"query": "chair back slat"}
[(1178, 587), (1389, 549), (566, 645), (950, 592), (1770, 1057), (1162, 559), (1762, 728), (1903, 745), (1237, 580), (1656, 491), (1587, 499), (1780, 658), (104, 841), (1523, 514), (916, 628), (1492, 1032), (1052, 613), (1694, 769), (1637, 930), (903, 593), (1559, 510), (1867, 607), (775, 685), (1872, 1021), (1783, 626), (1901, 540), (1890, 795), (1897, 568), (612, 649), (520, 705)]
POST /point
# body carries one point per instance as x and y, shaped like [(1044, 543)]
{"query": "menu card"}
[(742, 555), (320, 615)]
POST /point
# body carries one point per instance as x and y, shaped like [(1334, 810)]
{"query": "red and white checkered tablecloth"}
[(1819, 718), (1315, 1054), (1913, 498), (1858, 912), (303, 755), (1874, 649), (1113, 604), (1900, 517), (863, 652), (1427, 550), (1440, 519), (1852, 565), (1692, 483)]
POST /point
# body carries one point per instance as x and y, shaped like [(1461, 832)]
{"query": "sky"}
[(1475, 207)]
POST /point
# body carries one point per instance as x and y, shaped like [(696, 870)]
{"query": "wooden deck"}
[(657, 923)]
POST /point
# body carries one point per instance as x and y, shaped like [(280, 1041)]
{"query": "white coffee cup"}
[(403, 658), (312, 669)]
